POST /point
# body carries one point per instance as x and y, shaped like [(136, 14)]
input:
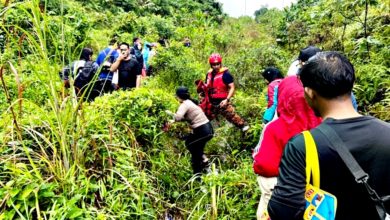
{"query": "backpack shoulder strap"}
[(354, 167), (312, 164), (78, 65), (346, 156)]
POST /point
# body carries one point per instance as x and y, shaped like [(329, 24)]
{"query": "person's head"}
[(272, 73), (187, 41), (306, 53), (86, 54), (124, 48), (182, 93), (137, 43), (215, 61), (136, 40), (112, 42), (329, 75)]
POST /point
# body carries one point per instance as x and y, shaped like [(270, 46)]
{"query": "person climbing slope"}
[(273, 77), (201, 126)]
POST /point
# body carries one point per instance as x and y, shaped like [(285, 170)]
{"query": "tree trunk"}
[(365, 29), (343, 35)]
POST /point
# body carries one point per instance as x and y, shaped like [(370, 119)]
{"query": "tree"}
[(260, 12)]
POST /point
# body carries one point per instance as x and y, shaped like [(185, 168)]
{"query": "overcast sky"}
[(237, 8)]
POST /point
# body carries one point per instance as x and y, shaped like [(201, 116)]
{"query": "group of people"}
[(318, 90), (215, 99), (119, 66)]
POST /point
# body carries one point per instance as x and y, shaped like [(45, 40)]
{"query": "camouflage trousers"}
[(229, 113)]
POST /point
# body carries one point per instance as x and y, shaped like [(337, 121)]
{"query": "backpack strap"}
[(354, 167), (312, 164)]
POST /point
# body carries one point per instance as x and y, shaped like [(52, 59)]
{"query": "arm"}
[(270, 95), (95, 67), (179, 115), (288, 201), (65, 73), (230, 94), (232, 88), (266, 161), (257, 148), (270, 112), (116, 64), (138, 81), (229, 82), (100, 58)]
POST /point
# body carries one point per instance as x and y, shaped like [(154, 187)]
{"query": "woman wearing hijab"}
[(294, 116), (273, 77)]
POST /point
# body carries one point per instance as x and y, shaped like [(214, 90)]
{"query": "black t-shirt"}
[(368, 139), (128, 71)]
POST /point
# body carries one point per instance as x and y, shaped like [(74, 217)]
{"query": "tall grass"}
[(61, 158)]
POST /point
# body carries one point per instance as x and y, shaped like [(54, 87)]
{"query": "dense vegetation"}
[(110, 159)]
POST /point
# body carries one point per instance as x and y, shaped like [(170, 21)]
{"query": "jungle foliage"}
[(112, 159)]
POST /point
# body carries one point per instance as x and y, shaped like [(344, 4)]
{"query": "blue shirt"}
[(113, 54)]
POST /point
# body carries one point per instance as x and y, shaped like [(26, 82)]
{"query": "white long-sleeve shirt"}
[(192, 113)]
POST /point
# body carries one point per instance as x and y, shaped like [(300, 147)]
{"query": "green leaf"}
[(74, 212), (10, 183), (26, 192), (371, 40), (13, 192), (46, 194), (75, 199), (8, 215)]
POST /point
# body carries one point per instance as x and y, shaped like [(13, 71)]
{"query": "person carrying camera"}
[(129, 73)]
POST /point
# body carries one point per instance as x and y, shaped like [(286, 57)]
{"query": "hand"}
[(169, 112), (122, 56), (116, 86), (223, 103)]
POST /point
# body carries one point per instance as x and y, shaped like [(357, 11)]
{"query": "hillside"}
[(111, 159)]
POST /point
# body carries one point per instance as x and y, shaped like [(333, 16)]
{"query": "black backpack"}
[(85, 71)]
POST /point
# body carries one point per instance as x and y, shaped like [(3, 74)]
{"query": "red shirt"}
[(270, 153)]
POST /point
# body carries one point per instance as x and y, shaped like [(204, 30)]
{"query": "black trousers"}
[(103, 86), (196, 142)]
